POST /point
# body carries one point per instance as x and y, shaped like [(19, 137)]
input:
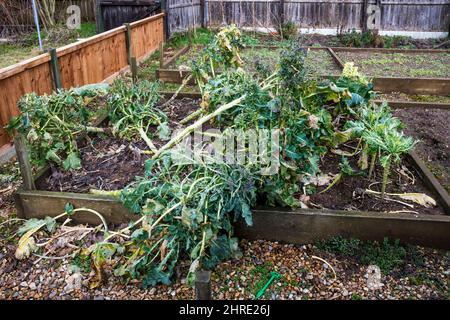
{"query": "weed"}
[(356, 296), (386, 255), (82, 262)]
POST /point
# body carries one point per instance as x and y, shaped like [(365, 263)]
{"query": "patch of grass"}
[(87, 29), (11, 54), (259, 277), (340, 245), (201, 36), (82, 262), (356, 296), (400, 64), (28, 46), (389, 256)]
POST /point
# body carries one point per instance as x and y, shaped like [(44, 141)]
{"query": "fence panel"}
[(115, 13), (94, 60), (146, 36), (398, 15), (183, 14), (99, 58)]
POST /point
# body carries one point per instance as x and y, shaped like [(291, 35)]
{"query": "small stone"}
[(24, 284), (32, 286)]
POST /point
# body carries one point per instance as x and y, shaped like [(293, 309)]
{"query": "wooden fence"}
[(395, 15), (114, 13), (184, 14), (96, 59)]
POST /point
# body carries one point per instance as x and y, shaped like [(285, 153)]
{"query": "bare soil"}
[(110, 163), (432, 128), (349, 193), (416, 65)]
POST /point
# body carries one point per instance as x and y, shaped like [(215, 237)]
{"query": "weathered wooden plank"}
[(39, 204), (431, 182), (415, 104), (389, 50), (179, 53), (24, 162), (336, 58), (299, 226), (308, 226), (427, 86)]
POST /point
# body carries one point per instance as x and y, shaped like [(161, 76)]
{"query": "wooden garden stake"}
[(134, 69), (203, 285), (161, 55), (24, 162), (55, 69), (190, 37), (128, 42)]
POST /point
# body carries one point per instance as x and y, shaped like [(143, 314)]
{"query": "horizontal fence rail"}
[(96, 59)]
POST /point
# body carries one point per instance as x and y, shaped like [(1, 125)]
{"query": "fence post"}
[(281, 12), (203, 285), (100, 26), (134, 69), (364, 16), (161, 55), (24, 162), (55, 69), (128, 42), (202, 13), (165, 10)]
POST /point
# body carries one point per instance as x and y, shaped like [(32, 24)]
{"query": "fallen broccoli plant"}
[(52, 123), (133, 111)]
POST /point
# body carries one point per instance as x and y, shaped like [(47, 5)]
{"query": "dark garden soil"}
[(110, 163), (432, 128), (416, 65), (349, 193), (320, 62)]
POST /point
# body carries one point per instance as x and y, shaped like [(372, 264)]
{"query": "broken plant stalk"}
[(196, 125)]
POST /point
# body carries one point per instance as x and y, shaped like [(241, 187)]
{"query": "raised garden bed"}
[(110, 164), (328, 62), (430, 126), (394, 63)]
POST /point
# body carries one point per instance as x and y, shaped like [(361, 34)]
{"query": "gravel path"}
[(302, 277), (407, 273)]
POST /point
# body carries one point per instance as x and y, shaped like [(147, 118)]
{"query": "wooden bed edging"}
[(431, 182), (392, 103), (307, 226), (408, 85), (298, 226), (400, 104)]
